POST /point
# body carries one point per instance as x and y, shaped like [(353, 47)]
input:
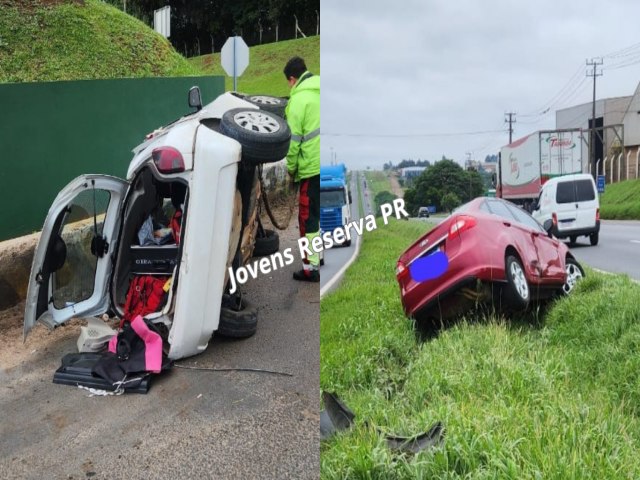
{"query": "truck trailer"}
[(335, 198), (526, 164)]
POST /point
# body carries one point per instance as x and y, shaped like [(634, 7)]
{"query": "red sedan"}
[(494, 251)]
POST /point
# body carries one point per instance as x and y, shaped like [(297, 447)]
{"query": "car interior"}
[(148, 244)]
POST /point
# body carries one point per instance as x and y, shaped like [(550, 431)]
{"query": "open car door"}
[(72, 261)]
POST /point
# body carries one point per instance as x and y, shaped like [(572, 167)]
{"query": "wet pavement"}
[(191, 424)]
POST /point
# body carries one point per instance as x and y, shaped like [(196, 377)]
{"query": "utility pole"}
[(469, 168), (510, 121), (592, 132)]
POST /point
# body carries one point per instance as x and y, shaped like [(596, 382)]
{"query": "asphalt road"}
[(335, 258), (191, 424), (618, 250)]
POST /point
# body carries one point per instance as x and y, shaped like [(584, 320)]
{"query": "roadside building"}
[(610, 113), (411, 172)]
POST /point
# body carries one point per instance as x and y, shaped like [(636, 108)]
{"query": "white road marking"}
[(338, 275)]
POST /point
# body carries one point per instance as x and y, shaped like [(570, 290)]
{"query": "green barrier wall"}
[(52, 132)]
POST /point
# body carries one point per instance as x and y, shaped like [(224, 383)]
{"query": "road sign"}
[(162, 21), (234, 58), (600, 183)]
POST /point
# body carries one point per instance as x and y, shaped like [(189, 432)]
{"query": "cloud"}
[(417, 67)]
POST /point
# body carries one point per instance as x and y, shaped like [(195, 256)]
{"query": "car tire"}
[(263, 135), (322, 262), (241, 323), (347, 243), (572, 240), (593, 238), (269, 103), (574, 273), (266, 245), (517, 291)]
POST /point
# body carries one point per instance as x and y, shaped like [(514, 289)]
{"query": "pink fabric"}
[(152, 345), (113, 343)]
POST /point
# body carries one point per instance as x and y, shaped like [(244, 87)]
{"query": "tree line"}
[(199, 27), (446, 185)]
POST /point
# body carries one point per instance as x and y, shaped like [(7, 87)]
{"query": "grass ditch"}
[(553, 398)]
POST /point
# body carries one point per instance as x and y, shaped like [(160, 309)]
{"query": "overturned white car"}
[(202, 170)]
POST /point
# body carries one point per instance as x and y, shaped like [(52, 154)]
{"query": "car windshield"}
[(332, 198)]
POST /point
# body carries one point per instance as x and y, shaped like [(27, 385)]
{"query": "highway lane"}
[(618, 250), (335, 258)]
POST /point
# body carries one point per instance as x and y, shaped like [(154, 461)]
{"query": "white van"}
[(206, 166), (571, 203)]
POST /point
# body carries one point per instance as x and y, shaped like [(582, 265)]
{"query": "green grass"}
[(77, 41), (621, 201), (264, 73), (377, 182), (555, 398)]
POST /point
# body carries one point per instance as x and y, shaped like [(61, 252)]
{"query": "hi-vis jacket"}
[(303, 117)]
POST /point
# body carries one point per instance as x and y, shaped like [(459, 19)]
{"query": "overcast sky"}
[(431, 67)]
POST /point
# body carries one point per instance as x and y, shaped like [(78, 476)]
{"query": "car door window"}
[(584, 191), (565, 192), (74, 281), (500, 209), (524, 218)]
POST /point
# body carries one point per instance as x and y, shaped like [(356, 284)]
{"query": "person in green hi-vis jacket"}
[(303, 160)]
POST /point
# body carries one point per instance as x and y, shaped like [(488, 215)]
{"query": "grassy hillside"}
[(621, 201), (264, 73), (377, 181), (551, 396), (66, 40)]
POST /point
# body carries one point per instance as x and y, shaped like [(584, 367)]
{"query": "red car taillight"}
[(168, 160), (462, 223), (597, 214), (401, 270), (554, 219)]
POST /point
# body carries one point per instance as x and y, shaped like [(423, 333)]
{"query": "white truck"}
[(526, 164)]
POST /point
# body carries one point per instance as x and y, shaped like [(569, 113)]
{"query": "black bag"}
[(130, 355)]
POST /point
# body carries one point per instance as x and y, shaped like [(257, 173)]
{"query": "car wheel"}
[(517, 292), (268, 103), (347, 243), (240, 323), (574, 274), (267, 244), (593, 238), (572, 239), (264, 136)]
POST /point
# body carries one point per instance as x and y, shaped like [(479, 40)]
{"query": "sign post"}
[(234, 58)]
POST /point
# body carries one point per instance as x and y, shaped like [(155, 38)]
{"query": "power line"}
[(546, 107), (410, 135)]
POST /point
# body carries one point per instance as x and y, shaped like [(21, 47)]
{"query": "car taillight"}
[(461, 223), (597, 214), (401, 270), (168, 160), (554, 219)]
